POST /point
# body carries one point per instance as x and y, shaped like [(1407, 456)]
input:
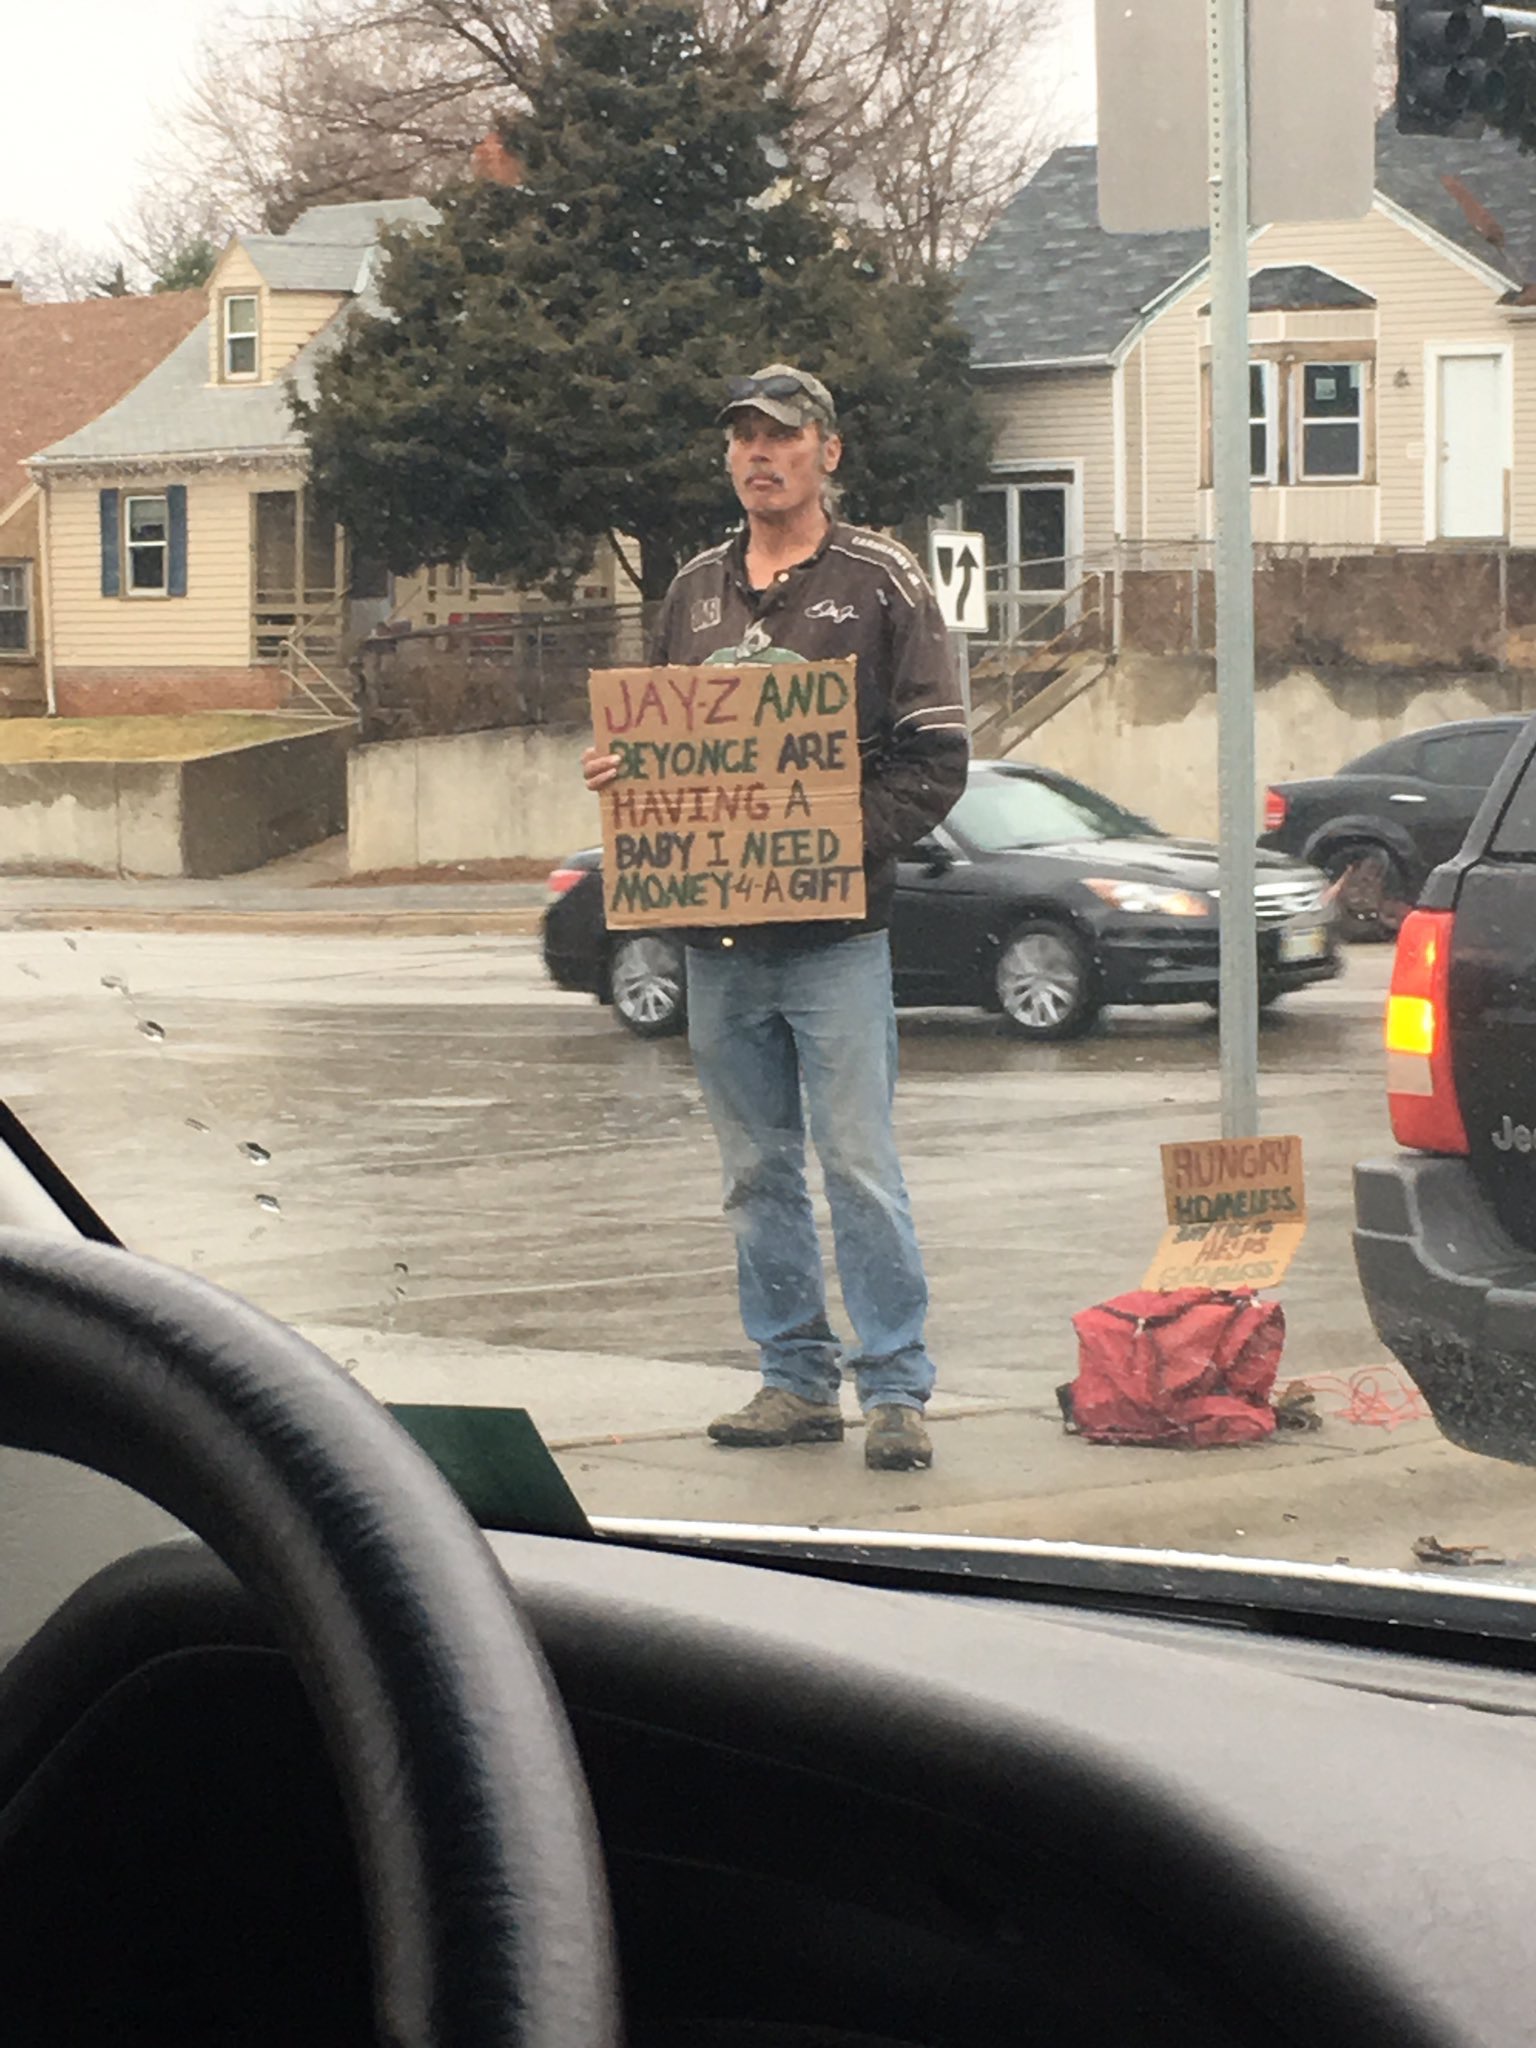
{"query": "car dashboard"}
[(831, 1813)]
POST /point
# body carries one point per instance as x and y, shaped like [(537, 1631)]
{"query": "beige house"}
[(188, 565), (60, 365), (1392, 376)]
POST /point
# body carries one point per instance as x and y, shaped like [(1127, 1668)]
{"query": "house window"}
[(240, 335), (15, 608), (1264, 435), (147, 524), (1262, 438), (1028, 525), (1332, 421)]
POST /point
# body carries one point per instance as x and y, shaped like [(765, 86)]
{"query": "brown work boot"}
[(775, 1416), (895, 1440)]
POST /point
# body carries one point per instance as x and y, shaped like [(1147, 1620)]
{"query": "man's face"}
[(778, 470)]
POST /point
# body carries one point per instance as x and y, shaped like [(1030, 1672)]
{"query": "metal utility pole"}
[(1233, 526)]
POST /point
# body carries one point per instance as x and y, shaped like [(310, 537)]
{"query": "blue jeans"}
[(760, 1025)]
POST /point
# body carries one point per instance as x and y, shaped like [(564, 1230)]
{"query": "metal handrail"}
[(1017, 640), (290, 655), (331, 700)]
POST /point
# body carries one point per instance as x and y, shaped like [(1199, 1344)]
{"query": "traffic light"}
[(1449, 76), (1516, 116)]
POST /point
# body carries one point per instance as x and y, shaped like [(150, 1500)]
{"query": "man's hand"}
[(599, 770)]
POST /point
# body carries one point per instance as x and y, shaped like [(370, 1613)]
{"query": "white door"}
[(1472, 440)]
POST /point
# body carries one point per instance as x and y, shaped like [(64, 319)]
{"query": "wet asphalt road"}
[(418, 1142), (470, 1188)]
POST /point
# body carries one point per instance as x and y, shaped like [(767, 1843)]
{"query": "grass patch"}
[(180, 738)]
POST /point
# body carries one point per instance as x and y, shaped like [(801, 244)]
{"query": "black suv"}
[(1384, 821), (1445, 1233)]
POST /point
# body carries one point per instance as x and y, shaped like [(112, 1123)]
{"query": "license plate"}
[(1311, 943)]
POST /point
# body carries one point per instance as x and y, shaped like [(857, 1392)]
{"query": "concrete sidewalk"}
[(629, 1435), (1346, 1494)]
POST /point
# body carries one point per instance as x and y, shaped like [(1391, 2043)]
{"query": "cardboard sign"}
[(737, 800), (1237, 1212)]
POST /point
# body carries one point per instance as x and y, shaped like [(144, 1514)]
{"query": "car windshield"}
[(1002, 811), (516, 522)]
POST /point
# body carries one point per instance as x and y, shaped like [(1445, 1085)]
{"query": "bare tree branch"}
[(915, 115), (51, 265)]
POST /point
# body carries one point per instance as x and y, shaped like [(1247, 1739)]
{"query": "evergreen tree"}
[(550, 357), (188, 267)]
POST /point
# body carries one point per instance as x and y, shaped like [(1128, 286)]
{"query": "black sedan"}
[(1388, 817), (1037, 898)]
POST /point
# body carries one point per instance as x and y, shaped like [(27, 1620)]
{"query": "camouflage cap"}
[(793, 397)]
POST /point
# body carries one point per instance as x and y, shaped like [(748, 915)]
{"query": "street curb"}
[(617, 1440)]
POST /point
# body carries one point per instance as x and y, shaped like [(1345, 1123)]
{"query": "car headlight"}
[(1145, 899)]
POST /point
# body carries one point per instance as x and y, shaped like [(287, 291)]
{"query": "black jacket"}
[(859, 595)]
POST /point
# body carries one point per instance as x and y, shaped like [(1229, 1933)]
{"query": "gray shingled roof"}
[(1411, 169), (357, 223), (1047, 284), (176, 411), (1300, 287), (303, 266), (1295, 287), (324, 249)]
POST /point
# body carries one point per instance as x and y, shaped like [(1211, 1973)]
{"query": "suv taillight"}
[(1275, 808), (1421, 1088)]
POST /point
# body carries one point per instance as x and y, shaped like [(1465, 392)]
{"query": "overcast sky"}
[(87, 81)]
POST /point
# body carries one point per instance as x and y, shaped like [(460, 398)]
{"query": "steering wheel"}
[(483, 1885)]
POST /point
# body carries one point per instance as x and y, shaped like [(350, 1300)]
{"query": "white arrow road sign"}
[(959, 565)]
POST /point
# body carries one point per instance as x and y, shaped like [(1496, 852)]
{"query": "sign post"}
[(958, 571)]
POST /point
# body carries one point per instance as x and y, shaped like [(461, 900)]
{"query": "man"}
[(772, 1008)]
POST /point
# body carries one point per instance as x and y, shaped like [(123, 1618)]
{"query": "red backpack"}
[(1192, 1367)]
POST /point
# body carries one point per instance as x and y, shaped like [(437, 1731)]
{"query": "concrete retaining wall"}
[(468, 796), (245, 808), (1145, 732), (218, 814), (97, 817)]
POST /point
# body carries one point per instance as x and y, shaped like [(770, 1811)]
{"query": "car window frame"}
[(1524, 775), (1062, 784), (1379, 760), (1468, 740)]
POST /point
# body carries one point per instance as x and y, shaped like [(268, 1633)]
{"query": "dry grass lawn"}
[(142, 739)]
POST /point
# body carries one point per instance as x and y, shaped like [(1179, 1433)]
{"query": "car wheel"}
[(1370, 889), (1045, 983), (648, 980)]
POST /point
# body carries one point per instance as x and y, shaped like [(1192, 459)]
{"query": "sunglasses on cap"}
[(738, 389)]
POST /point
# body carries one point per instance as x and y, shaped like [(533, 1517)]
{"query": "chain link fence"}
[(488, 674)]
